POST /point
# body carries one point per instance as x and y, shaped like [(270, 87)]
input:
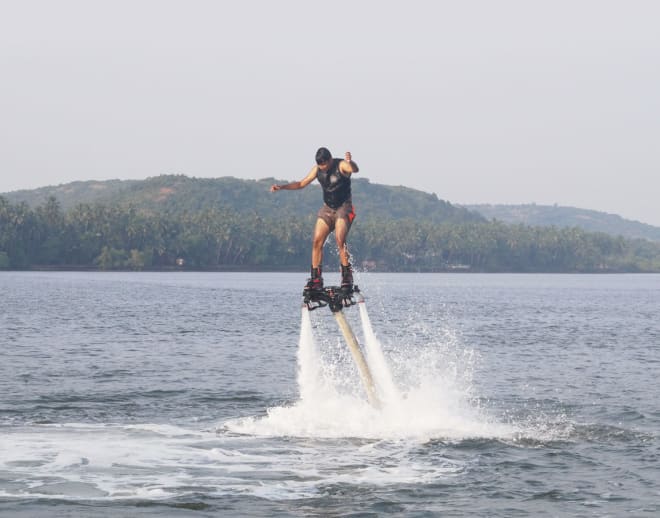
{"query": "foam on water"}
[(152, 462), (96, 461)]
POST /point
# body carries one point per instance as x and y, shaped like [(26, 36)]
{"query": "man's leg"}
[(321, 231), (341, 233)]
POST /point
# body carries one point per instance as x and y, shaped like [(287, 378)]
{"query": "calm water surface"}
[(185, 394)]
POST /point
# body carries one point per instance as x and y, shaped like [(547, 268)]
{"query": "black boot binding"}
[(315, 282), (315, 295), (332, 296), (347, 279)]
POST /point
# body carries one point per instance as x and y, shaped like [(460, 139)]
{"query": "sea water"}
[(213, 394)]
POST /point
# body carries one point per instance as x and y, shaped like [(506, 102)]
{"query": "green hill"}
[(553, 215), (225, 223), (178, 194), (70, 194)]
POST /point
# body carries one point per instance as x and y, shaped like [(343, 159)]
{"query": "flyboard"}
[(336, 299)]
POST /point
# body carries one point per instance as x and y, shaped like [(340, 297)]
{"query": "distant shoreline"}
[(240, 269)]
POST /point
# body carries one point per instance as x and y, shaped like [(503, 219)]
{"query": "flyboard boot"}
[(347, 280), (349, 292), (315, 282)]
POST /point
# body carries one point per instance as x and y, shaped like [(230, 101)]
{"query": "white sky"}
[(485, 101)]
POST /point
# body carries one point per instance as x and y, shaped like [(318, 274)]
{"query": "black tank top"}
[(336, 186)]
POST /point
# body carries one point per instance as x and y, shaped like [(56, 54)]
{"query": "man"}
[(336, 214)]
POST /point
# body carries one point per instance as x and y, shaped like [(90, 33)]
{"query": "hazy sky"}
[(478, 101)]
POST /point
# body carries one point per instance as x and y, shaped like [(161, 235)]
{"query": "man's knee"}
[(341, 234), (321, 233)]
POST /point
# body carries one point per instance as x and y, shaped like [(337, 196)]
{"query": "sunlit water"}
[(181, 394)]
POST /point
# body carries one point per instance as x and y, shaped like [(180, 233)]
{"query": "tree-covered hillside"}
[(179, 194), (70, 194), (164, 232), (553, 215)]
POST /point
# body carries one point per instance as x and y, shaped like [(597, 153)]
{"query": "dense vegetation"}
[(94, 235), (179, 195)]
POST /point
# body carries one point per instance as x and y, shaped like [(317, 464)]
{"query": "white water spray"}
[(387, 391), (309, 361), (428, 397)]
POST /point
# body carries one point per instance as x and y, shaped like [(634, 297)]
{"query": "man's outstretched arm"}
[(296, 185)]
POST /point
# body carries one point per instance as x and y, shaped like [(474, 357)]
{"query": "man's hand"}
[(274, 188), (348, 166)]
